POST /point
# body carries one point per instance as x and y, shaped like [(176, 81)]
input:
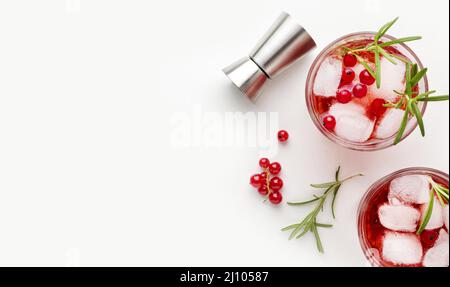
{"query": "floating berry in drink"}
[(360, 91), (366, 78), (257, 180), (275, 168), (329, 122), (348, 76), (429, 237), (283, 136), (344, 96), (276, 197), (350, 60), (276, 184), (377, 107), (264, 163)]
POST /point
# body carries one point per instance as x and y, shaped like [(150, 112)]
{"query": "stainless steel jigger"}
[(283, 44)]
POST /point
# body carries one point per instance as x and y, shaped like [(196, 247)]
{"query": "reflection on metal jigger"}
[(283, 44)]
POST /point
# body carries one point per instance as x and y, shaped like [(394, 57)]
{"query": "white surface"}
[(89, 175)]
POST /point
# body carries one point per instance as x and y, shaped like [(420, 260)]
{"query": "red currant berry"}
[(276, 197), (265, 177), (366, 78), (348, 76), (350, 60), (344, 96), (283, 136), (429, 237), (276, 184), (360, 91), (377, 107), (264, 163), (256, 181), (329, 122), (275, 168), (263, 190)]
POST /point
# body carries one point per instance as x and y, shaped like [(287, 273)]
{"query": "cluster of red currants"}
[(359, 90), (344, 96), (268, 183)]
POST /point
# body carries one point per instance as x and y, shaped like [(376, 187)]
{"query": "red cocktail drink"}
[(349, 105), (403, 220)]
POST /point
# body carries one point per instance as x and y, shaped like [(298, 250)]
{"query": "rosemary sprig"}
[(310, 223), (439, 191), (378, 48), (409, 100)]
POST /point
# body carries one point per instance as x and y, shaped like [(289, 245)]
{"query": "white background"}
[(88, 174)]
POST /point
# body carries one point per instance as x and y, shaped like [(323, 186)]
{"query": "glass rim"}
[(378, 144), (365, 200)]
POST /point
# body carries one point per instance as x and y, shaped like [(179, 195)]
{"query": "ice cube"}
[(389, 124), (438, 256), (443, 237), (445, 214), (402, 248), (351, 122), (328, 77), (410, 189), (358, 69), (437, 218), (392, 79), (399, 217)]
